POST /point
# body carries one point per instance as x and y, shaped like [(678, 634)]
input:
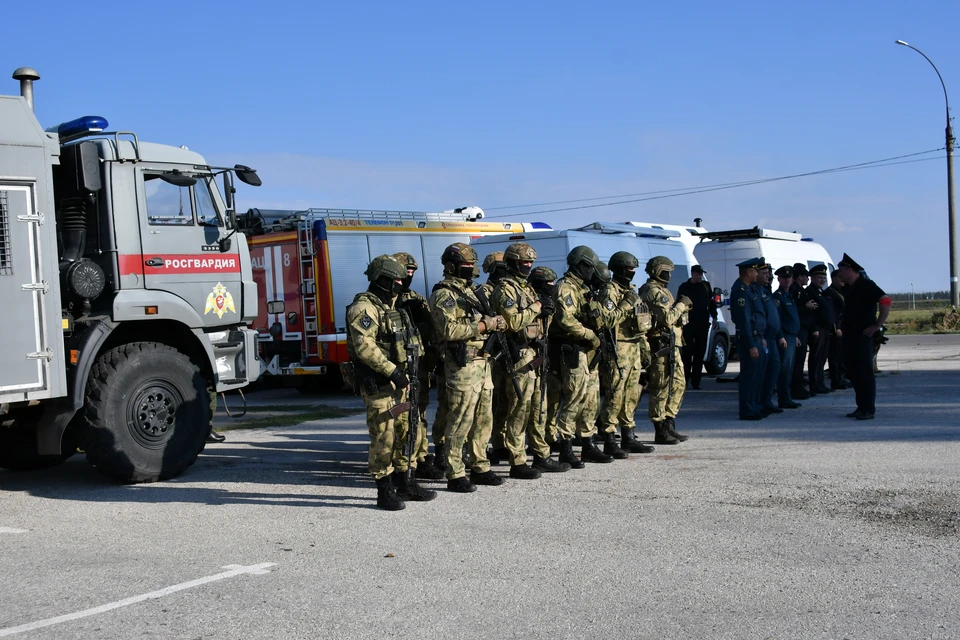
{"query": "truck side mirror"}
[(247, 175), (228, 190)]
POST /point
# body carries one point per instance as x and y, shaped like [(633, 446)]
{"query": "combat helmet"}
[(456, 256), (583, 262), (383, 272), (624, 265), (601, 275), (490, 262), (515, 254), (659, 268), (409, 262)]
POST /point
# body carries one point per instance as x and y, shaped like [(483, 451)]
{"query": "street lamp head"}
[(903, 43)]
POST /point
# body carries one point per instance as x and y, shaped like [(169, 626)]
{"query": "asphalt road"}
[(804, 525)]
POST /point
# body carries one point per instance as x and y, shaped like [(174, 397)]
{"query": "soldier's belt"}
[(630, 340), (475, 353)]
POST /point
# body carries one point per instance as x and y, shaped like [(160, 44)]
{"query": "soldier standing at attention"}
[(459, 328), (750, 319), (860, 323), (695, 332), (667, 383), (775, 341), (805, 307), (570, 341), (417, 309), (789, 326), (543, 280), (516, 300), (623, 386), (835, 351), (376, 348), (822, 326), (496, 269)]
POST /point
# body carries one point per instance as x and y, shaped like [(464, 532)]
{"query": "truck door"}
[(23, 339), (179, 229)]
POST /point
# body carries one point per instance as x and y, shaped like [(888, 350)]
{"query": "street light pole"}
[(951, 208), (913, 297)]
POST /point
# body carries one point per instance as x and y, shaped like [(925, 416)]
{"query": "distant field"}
[(930, 320)]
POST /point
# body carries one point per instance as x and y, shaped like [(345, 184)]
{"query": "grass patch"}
[(291, 416), (909, 321)]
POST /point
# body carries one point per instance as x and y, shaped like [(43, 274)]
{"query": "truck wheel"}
[(18, 442), (718, 357), (148, 412)]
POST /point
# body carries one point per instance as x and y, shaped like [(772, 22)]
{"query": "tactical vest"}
[(393, 331), (523, 296)]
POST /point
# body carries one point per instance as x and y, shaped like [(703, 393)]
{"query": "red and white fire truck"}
[(309, 265)]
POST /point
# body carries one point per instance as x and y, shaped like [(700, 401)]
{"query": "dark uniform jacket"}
[(836, 297), (861, 305), (748, 314), (822, 318), (789, 317), (806, 315), (773, 331), (704, 305)]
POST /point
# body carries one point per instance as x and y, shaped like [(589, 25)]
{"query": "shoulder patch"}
[(366, 321), (664, 300), (742, 302), (609, 304), (568, 300), (448, 302), (508, 302)]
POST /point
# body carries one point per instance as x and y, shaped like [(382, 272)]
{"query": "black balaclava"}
[(624, 277)]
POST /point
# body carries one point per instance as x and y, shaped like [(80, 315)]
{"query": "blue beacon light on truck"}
[(79, 128)]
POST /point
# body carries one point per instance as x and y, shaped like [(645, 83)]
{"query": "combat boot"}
[(427, 471), (567, 455), (671, 427), (590, 453), (662, 435), (461, 485), (486, 478), (610, 447), (387, 497), (524, 472), (408, 489), (550, 465), (630, 443), (496, 455)]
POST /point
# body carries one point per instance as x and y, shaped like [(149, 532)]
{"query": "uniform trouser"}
[(523, 411), (554, 397), (665, 391), (695, 336), (501, 404), (818, 358), (443, 408), (771, 372), (387, 435), (470, 417), (798, 362), (623, 391), (786, 369), (580, 387), (427, 365), (858, 353), (835, 357), (751, 379)]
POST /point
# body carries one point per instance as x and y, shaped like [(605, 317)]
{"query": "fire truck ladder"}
[(308, 289)]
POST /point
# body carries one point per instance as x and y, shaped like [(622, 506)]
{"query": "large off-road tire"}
[(18, 442), (717, 363), (148, 412)]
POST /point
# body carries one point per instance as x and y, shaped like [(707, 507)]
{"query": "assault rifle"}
[(496, 344), (411, 407), (671, 352), (608, 344)]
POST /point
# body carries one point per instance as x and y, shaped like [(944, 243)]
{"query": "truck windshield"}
[(206, 212), (169, 204)]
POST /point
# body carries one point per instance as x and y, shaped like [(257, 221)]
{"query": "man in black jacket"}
[(838, 376), (695, 332), (805, 308), (823, 324)]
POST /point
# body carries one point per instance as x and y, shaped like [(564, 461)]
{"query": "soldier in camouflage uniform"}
[(573, 344), (419, 311), (460, 327), (666, 388), (516, 300), (376, 344), (496, 269), (622, 380), (543, 280)]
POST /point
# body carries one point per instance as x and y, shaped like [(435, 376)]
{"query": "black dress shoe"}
[(772, 409), (755, 416), (854, 414), (789, 405), (800, 395), (215, 437), (865, 416), (823, 390)]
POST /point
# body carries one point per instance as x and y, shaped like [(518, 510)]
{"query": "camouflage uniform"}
[(457, 320), (494, 267), (378, 354), (666, 391)]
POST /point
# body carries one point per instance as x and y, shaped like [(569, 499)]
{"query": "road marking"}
[(12, 530), (232, 570)]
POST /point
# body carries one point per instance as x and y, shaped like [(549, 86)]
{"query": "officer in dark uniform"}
[(789, 326), (800, 279), (750, 318), (774, 338), (695, 332), (835, 351), (821, 327), (860, 322)]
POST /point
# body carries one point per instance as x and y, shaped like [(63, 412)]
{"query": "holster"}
[(458, 351), (368, 379), (347, 370), (570, 354)]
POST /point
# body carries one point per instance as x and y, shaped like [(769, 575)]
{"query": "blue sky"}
[(428, 106)]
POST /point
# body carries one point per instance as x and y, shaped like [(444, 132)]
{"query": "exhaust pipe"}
[(26, 76)]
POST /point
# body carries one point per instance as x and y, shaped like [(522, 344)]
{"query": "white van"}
[(606, 239), (719, 252)]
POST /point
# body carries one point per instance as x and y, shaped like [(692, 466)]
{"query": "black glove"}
[(399, 379), (547, 306)]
